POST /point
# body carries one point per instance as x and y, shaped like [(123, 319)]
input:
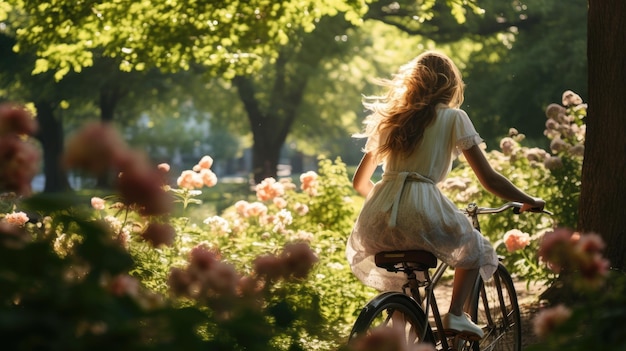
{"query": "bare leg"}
[(462, 286)]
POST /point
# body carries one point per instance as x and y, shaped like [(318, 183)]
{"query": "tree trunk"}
[(109, 97), (270, 128), (51, 136), (603, 189)]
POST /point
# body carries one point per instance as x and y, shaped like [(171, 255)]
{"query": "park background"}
[(265, 89)]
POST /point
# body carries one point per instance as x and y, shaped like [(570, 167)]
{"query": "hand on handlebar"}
[(537, 206)]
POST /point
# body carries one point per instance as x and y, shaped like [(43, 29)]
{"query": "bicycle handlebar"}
[(516, 206)]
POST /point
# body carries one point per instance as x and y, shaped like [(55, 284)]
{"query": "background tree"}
[(519, 71), (286, 40), (603, 188)]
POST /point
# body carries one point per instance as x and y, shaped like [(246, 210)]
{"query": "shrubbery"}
[(152, 267)]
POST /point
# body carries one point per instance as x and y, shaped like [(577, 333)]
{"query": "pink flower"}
[(577, 150), (179, 281), (269, 189), (12, 236), (301, 209), (159, 234), (15, 119), (565, 249), (387, 339), (507, 145), (123, 284), (269, 266), (209, 178), (553, 162), (19, 162), (570, 98), (255, 209), (16, 218), (554, 110), (557, 145), (553, 247), (516, 240), (548, 319), (96, 148), (222, 278), (97, 203), (203, 258), (308, 182), (590, 242), (190, 180), (163, 167), (299, 259), (205, 162), (143, 187), (536, 154), (241, 207), (279, 202)]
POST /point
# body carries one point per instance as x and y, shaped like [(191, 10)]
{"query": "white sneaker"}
[(462, 325)]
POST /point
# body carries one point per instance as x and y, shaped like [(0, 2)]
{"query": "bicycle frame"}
[(419, 304)]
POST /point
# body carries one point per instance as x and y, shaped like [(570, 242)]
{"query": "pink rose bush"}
[(566, 250), (588, 298), (149, 273)]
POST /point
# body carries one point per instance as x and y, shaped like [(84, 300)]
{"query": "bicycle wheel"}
[(393, 310), (495, 309)]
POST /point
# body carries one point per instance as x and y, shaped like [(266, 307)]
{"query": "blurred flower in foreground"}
[(564, 249), (295, 261), (387, 339), (19, 158), (96, 148), (548, 319), (159, 234), (12, 236), (15, 119), (143, 187)]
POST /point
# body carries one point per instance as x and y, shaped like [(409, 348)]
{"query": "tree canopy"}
[(222, 36)]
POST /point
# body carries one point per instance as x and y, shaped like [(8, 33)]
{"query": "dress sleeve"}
[(464, 135)]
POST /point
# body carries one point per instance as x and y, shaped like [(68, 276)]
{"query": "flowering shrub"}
[(586, 313), (552, 174), (131, 271), (19, 158)]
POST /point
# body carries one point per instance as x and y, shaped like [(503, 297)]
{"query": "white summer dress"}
[(406, 210)]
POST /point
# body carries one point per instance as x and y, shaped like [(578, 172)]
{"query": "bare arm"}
[(362, 180), (496, 183)]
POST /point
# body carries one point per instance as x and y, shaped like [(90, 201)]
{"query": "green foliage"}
[(587, 304), (57, 287), (97, 272), (225, 36), (540, 49)]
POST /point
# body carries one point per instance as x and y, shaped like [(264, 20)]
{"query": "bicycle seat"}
[(418, 259)]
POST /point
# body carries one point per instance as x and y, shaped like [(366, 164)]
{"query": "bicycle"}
[(492, 304)]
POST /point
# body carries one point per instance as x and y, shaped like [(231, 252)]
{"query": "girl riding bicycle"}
[(415, 131)]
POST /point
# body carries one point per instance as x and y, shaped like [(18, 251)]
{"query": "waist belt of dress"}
[(399, 179)]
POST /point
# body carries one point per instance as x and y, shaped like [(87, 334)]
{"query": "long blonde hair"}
[(409, 105)]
